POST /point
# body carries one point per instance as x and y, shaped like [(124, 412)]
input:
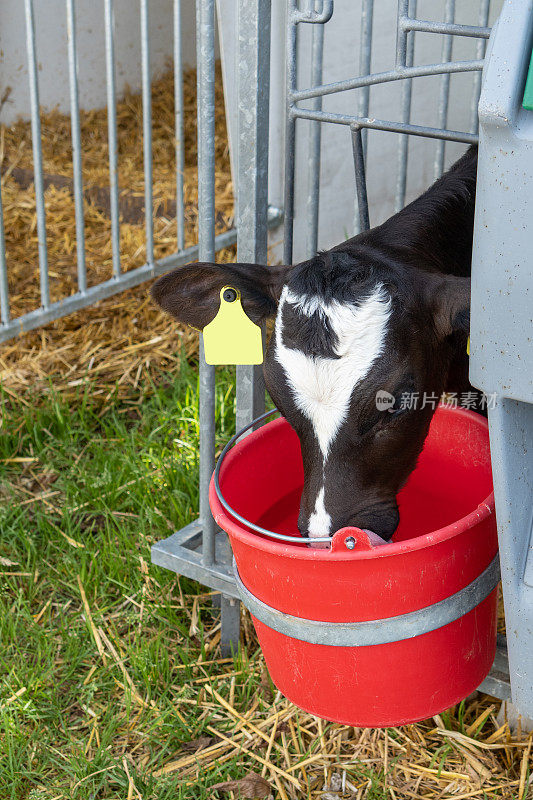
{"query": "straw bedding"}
[(124, 334), (465, 753)]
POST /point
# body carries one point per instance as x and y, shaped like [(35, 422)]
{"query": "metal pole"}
[(230, 616), (252, 210), (37, 153), (481, 46), (315, 133), (407, 49), (252, 177), (205, 48), (76, 145), (147, 133), (365, 63), (178, 114), (365, 57), (290, 133), (444, 98), (112, 133), (384, 125), (401, 33), (4, 289), (360, 178), (396, 74)]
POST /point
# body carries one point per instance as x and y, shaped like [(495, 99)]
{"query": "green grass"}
[(114, 483), (84, 492)]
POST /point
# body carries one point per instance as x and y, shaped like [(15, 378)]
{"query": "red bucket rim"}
[(234, 528)]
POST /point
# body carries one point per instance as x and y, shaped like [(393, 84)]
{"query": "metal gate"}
[(199, 551), (120, 280)]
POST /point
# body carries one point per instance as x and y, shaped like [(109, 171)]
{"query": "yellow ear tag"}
[(468, 346), (231, 337)]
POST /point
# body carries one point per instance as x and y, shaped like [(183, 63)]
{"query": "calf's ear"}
[(192, 293), (449, 303)]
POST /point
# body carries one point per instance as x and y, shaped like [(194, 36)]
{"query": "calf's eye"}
[(396, 412)]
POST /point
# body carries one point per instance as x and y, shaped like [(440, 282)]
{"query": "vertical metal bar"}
[(76, 145), (403, 140), (37, 153), (147, 133), (481, 46), (112, 133), (290, 134), (360, 178), (365, 61), (253, 77), (401, 35), (444, 96), (315, 131), (4, 289), (252, 176), (205, 49), (178, 115), (229, 630)]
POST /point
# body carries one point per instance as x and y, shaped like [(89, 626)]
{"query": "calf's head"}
[(357, 340)]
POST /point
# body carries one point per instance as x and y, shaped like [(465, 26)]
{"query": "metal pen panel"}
[(444, 95), (4, 288), (147, 132), (205, 48), (112, 133), (178, 126), (37, 153), (76, 145)]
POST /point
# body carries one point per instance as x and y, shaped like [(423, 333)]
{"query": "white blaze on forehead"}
[(319, 521), (322, 387)]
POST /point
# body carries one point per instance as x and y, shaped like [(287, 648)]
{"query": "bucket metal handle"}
[(281, 537)]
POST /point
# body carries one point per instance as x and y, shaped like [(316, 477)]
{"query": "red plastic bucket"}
[(318, 613)]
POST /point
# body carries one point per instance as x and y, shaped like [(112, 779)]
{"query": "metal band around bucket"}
[(376, 631)]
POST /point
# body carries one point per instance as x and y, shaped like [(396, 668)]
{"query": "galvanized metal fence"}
[(120, 280), (404, 70)]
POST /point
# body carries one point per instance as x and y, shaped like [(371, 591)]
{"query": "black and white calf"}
[(387, 310)]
